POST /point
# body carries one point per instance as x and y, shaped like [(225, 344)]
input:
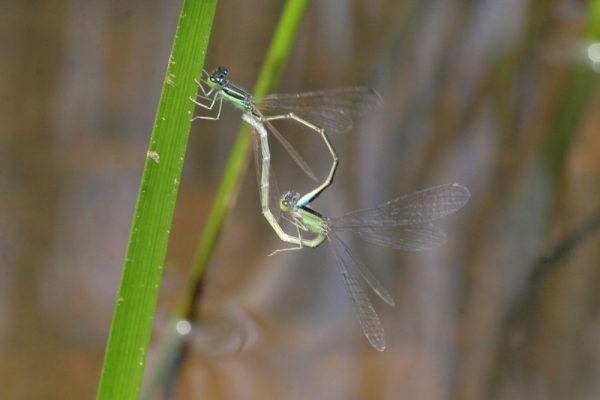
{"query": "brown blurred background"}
[(499, 95)]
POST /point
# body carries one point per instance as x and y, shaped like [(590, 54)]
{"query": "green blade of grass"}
[(133, 316)]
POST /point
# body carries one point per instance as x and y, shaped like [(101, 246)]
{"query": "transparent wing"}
[(415, 208), (411, 237), (332, 110), (367, 317), (330, 120), (292, 152), (342, 249)]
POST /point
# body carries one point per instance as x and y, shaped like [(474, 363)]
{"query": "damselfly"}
[(404, 223), (320, 111)]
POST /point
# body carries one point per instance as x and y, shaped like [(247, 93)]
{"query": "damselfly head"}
[(288, 201), (219, 76)]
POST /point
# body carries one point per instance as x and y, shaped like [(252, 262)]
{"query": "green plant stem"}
[(133, 316), (268, 80)]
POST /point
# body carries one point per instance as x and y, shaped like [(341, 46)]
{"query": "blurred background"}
[(498, 95)]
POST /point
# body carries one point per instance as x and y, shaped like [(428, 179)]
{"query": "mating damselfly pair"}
[(404, 223)]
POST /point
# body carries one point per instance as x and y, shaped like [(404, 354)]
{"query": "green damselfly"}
[(320, 111), (404, 223)]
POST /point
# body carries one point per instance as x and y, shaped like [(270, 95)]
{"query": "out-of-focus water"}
[(499, 95)]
